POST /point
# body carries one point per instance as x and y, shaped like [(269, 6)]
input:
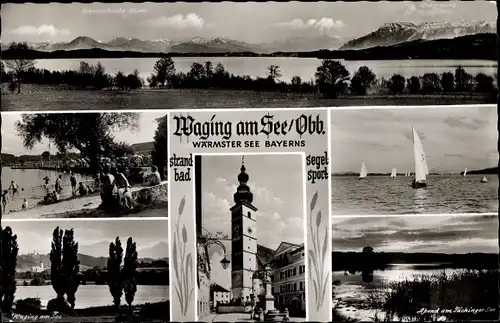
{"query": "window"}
[(294, 286), (295, 271), (249, 214)]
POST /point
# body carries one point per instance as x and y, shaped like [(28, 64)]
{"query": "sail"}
[(393, 172), (363, 172), (421, 169), (465, 172)]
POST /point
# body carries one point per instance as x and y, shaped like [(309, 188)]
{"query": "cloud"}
[(436, 234), (42, 30), (323, 24), (188, 21)]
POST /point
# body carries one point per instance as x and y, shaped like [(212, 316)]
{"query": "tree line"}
[(65, 275), (90, 133), (330, 79)]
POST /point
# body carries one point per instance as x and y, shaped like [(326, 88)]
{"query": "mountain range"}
[(386, 35), (195, 45), (395, 33), (146, 255)]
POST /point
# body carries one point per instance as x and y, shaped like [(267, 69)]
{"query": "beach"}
[(85, 206)]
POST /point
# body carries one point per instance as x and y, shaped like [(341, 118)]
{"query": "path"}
[(72, 205), (237, 317)]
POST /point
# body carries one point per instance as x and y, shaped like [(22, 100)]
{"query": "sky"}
[(272, 21), (94, 237), (12, 143), (453, 138), (433, 234), (277, 184)]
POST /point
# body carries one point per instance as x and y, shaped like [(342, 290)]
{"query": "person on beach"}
[(58, 184), (72, 179), (106, 180), (14, 188), (89, 189), (46, 179), (82, 190), (25, 204), (4, 199), (123, 189), (154, 178)]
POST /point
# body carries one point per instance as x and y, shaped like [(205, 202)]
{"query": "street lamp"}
[(208, 240), (225, 262)]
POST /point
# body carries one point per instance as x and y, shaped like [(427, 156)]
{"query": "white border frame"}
[(304, 215)]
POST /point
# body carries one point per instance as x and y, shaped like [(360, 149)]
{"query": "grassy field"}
[(44, 98), (462, 296)]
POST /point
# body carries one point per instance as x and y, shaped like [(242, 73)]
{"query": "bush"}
[(29, 306), (396, 84), (413, 84)]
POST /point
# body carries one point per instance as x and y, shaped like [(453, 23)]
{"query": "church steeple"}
[(243, 193)]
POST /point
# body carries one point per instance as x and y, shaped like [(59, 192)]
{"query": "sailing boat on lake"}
[(465, 172), (363, 172), (393, 173), (421, 169)]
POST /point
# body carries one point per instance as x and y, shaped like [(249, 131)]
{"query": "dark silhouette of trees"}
[(362, 80), (90, 133), (46, 155), (129, 273), (273, 72), (484, 83), (64, 269), (20, 65), (114, 273), (413, 84), (9, 249), (296, 84), (447, 82), (122, 279), (164, 70), (159, 154), (330, 77), (120, 81), (396, 84), (463, 80), (431, 83)]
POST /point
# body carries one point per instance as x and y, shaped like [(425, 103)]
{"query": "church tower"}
[(244, 239)]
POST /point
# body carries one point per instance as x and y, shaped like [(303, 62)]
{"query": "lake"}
[(352, 294), (445, 194), (36, 98), (289, 66), (95, 295), (31, 185)]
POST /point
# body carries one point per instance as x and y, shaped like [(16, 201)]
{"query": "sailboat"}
[(363, 173), (465, 172), (393, 173), (421, 169)]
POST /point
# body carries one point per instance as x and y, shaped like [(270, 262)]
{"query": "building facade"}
[(289, 282), (243, 240), (220, 295)]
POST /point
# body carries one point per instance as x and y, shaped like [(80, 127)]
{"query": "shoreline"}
[(80, 206)]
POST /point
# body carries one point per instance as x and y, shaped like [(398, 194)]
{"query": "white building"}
[(289, 283), (220, 295), (38, 269)]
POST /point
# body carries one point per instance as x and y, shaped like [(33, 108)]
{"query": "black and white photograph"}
[(85, 271), (415, 268), (84, 165), (250, 238), (415, 160), (217, 55)]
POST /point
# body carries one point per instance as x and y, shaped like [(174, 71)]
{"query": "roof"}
[(285, 245), (219, 288), (143, 146)]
